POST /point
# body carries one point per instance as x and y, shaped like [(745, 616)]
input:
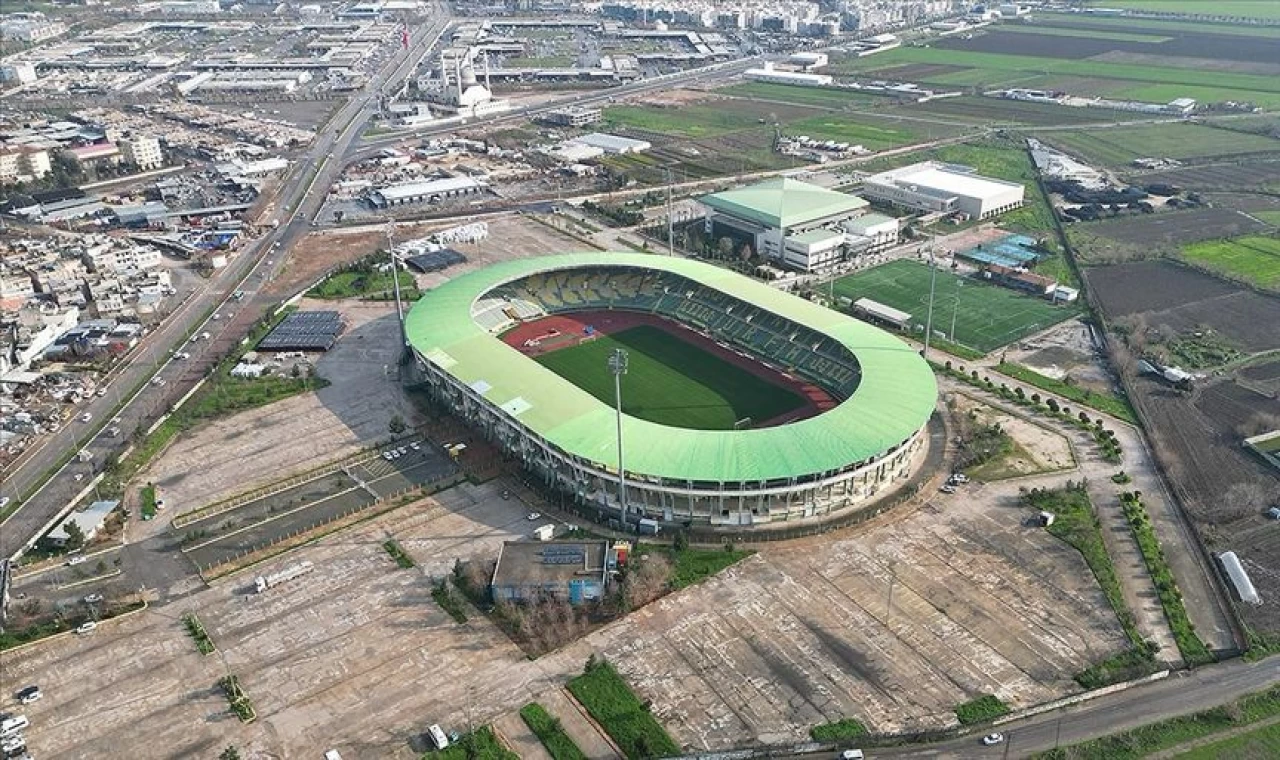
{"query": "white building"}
[(31, 29), (21, 162), (22, 72), (112, 257), (872, 232), (612, 143), (771, 75), (429, 191), (143, 152), (90, 521), (944, 188)]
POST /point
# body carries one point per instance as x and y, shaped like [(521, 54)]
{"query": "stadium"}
[(742, 405)]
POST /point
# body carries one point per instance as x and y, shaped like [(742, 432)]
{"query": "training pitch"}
[(671, 382), (986, 316)]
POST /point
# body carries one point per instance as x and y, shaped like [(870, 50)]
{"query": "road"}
[(152, 380), (1181, 693)]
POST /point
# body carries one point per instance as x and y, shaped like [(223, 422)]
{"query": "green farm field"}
[(1253, 259), (987, 316), (1155, 26), (804, 96), (1259, 744), (1264, 9), (1118, 146), (672, 382), (1093, 34)]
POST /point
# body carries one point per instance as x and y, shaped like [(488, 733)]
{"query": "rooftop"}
[(537, 563), (895, 396), (944, 178), (783, 202)]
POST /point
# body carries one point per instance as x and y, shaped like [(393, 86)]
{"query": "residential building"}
[(30, 29), (20, 72), (96, 153), (573, 116), (143, 152), (22, 162)]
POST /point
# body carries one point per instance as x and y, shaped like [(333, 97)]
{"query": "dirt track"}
[(608, 322)]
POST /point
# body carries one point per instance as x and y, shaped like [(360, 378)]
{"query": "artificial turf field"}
[(988, 316), (671, 382)]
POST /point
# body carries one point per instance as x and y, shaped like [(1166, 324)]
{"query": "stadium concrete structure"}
[(793, 223), (944, 188), (567, 437)]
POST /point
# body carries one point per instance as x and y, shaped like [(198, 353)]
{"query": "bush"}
[(449, 602), (838, 731), (398, 554), (981, 710), (204, 644), (480, 744), (550, 733), (621, 714)]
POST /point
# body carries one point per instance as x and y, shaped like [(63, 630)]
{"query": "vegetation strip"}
[(398, 554), (1076, 524), (549, 731), (1116, 406), (203, 643), (480, 744), (1189, 644), (147, 497), (1162, 735), (981, 710), (450, 602), (621, 713), (837, 731), (240, 704)]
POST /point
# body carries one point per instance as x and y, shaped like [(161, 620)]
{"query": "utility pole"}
[(951, 336), (933, 282), (618, 367), (670, 234)]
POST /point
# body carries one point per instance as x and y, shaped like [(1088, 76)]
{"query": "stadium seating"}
[(773, 338)]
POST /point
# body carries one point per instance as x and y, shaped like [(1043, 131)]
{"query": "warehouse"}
[(775, 76), (944, 188), (612, 144), (785, 221), (431, 191)]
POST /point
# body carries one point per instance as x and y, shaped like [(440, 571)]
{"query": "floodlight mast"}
[(618, 367)]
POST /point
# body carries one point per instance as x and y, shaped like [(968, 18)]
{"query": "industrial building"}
[(572, 116), (612, 144), (428, 191), (576, 571), (799, 225), (944, 189), (776, 76)]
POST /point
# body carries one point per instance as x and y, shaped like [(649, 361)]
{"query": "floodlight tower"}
[(933, 282), (618, 368)]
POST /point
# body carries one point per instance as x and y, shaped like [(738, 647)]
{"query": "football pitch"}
[(986, 316), (671, 382)]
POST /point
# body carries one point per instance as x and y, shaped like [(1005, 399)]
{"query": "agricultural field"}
[(987, 316), (671, 382), (870, 132), (1119, 146), (985, 110), (1197, 435), (1155, 234), (803, 96), (1242, 8), (1255, 260), (1251, 176)]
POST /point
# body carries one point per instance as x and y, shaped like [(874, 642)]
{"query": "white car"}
[(4, 501), (387, 456), (76, 560), (851, 754), (993, 739), (533, 516), (87, 627), (415, 446), (93, 598), (86, 417)]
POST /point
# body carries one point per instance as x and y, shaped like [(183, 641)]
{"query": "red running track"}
[(571, 328)]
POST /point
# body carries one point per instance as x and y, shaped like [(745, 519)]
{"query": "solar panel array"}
[(563, 555), (304, 331), (434, 261)]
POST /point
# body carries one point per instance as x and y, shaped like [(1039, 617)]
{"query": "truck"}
[(271, 580), (84, 455), (544, 532), (649, 527)]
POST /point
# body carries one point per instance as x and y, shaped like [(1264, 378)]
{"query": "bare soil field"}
[(510, 237), (1176, 45), (318, 252), (1176, 228), (1200, 64), (1265, 378), (982, 109), (1036, 449), (1226, 176), (912, 72)]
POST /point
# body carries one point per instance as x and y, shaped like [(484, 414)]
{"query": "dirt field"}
[(1232, 175), (1176, 228), (1037, 449), (510, 237), (608, 322), (1174, 45)]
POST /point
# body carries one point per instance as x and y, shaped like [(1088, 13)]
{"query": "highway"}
[(151, 380)]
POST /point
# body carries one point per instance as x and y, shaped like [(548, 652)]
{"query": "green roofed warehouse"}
[(487, 342), (795, 224)]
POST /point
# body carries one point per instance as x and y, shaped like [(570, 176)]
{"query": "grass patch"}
[(449, 601), (372, 285), (398, 554), (549, 731), (1260, 743), (1253, 260), (1189, 644), (194, 627), (480, 744), (1162, 735), (1263, 9), (987, 316), (692, 121), (11, 638), (1120, 145), (1077, 525), (981, 710), (1108, 403), (837, 731), (147, 497), (239, 701), (539, 62), (621, 713), (820, 97), (671, 382), (692, 565)]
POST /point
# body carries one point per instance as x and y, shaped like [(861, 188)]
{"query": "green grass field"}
[(1267, 9), (872, 134), (987, 316), (1253, 259), (672, 382), (803, 96), (1158, 25), (621, 713), (1259, 744), (1118, 146), (1055, 31), (692, 121)]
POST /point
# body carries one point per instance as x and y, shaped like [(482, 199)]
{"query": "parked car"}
[(29, 694), (533, 516), (93, 598), (993, 739), (86, 417), (948, 489), (87, 627), (76, 560), (851, 754)]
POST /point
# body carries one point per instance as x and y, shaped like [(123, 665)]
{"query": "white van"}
[(11, 726), (437, 737)]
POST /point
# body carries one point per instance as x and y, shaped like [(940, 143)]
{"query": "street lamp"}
[(618, 367)]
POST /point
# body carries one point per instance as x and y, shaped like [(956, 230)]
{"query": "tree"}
[(724, 248), (75, 536), (396, 425), (230, 753)]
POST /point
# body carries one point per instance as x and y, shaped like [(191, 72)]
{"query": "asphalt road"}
[(160, 379)]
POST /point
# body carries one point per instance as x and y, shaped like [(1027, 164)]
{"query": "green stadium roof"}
[(894, 399), (783, 202)]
